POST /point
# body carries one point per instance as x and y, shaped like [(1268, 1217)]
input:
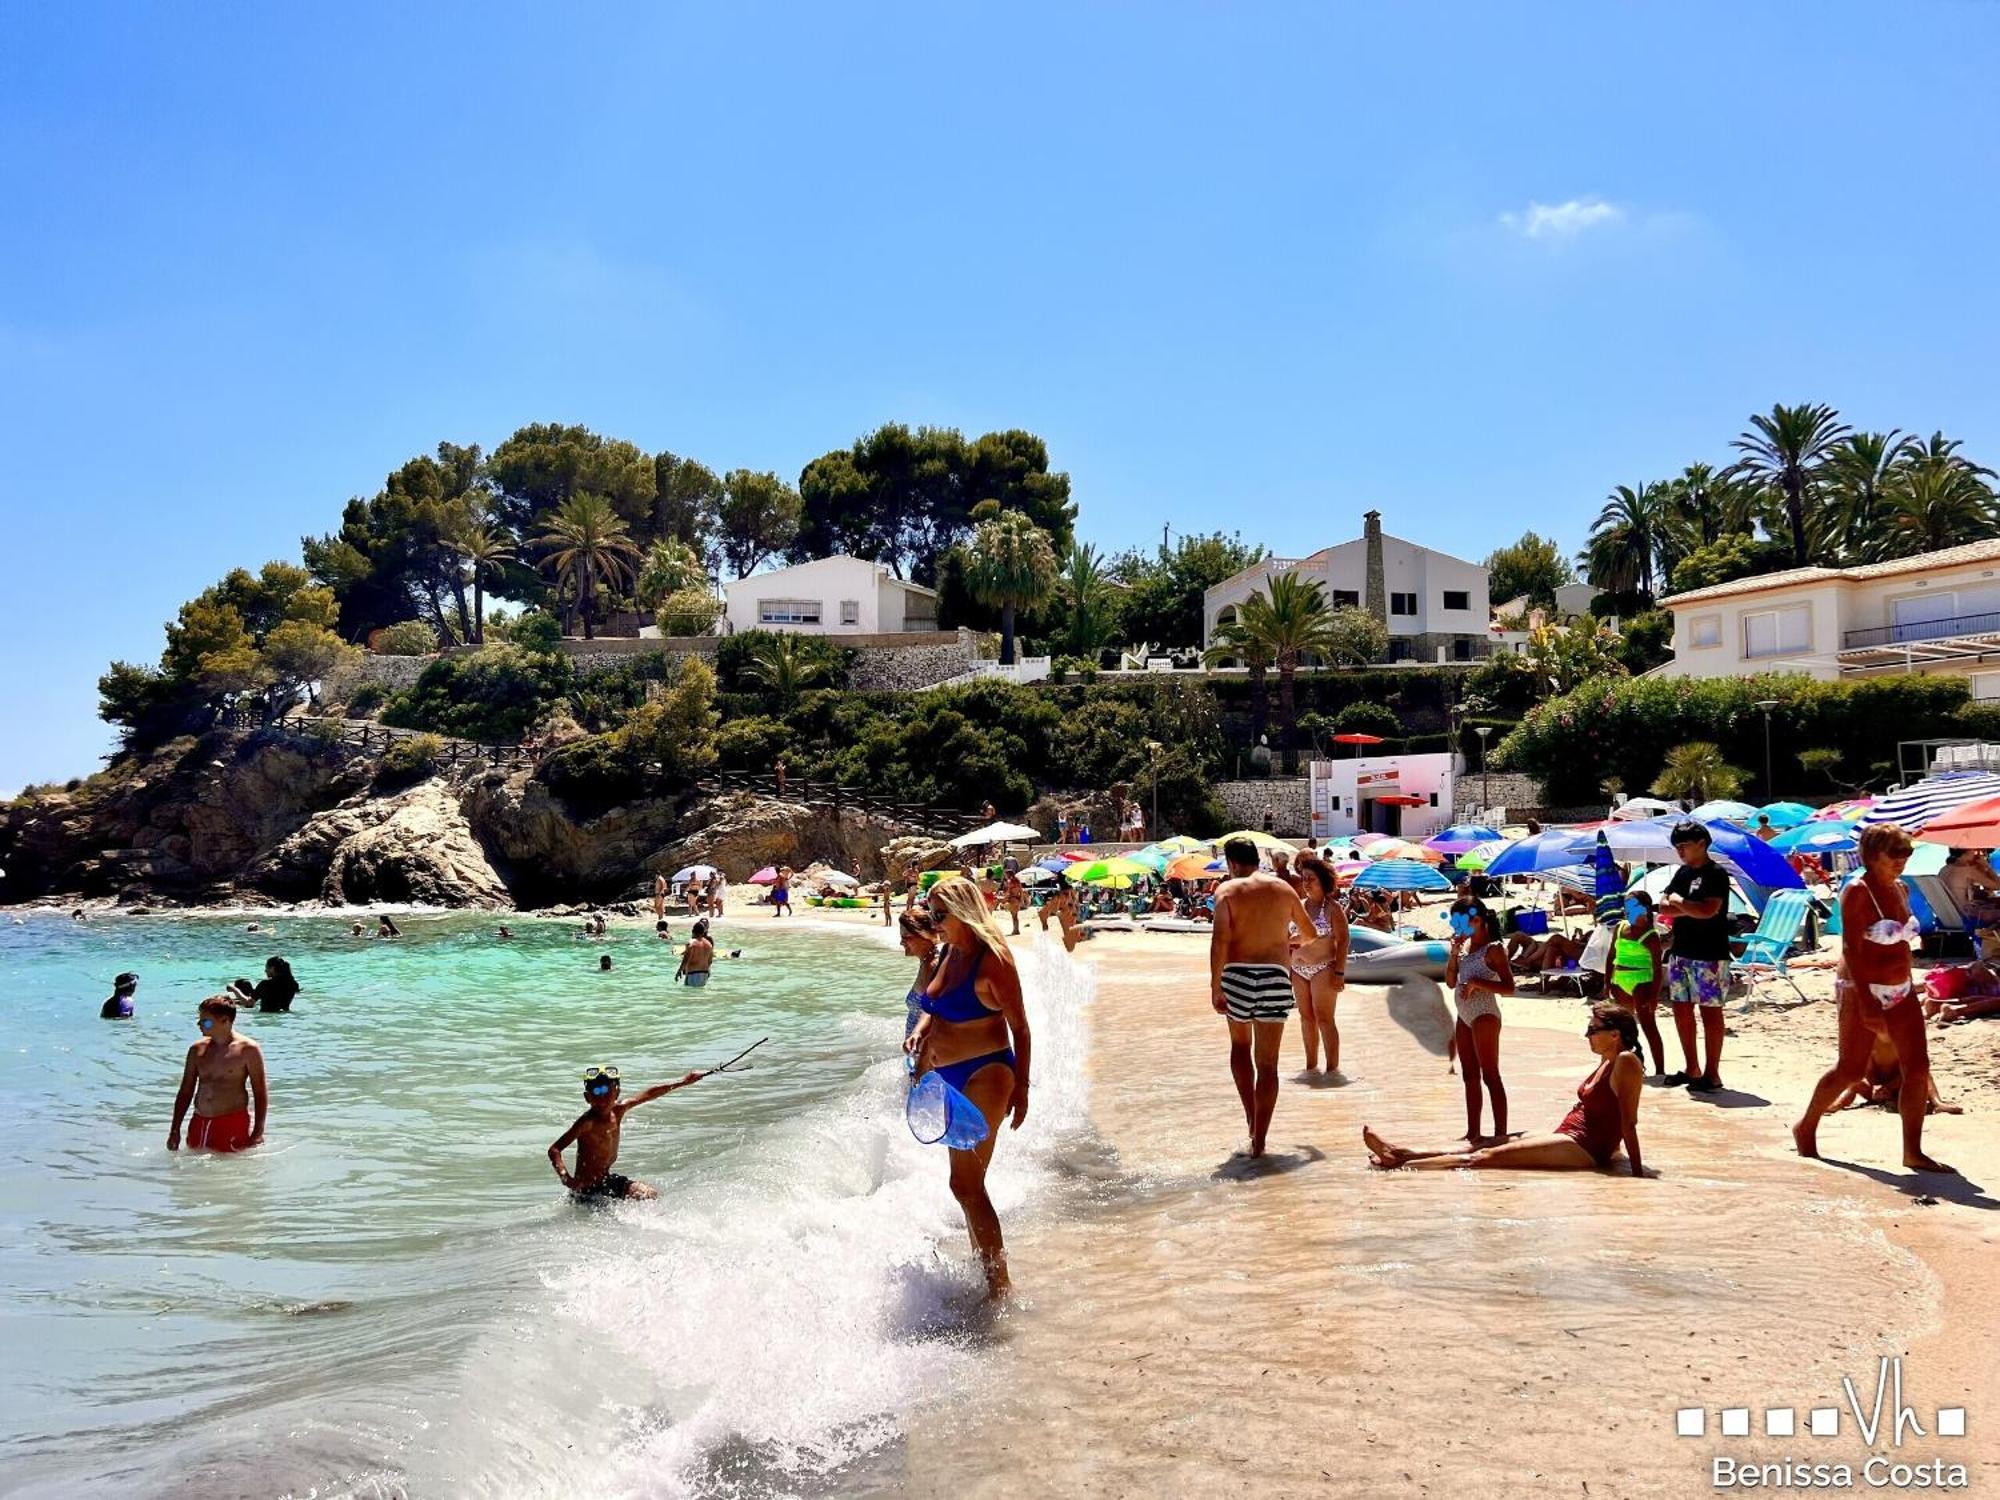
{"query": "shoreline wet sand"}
[(1312, 1325)]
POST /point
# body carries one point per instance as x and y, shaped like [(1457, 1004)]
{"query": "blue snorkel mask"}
[(1461, 923), (1636, 911)]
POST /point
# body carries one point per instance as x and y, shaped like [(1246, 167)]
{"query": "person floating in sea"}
[(1319, 963), (1698, 954), (356, 930), (604, 963), (1250, 977), (1478, 974), (781, 892), (1605, 1115), (384, 928), (1876, 997), (697, 958), (119, 1006), (223, 1077), (972, 1008), (595, 1136), (504, 935), (1637, 963)]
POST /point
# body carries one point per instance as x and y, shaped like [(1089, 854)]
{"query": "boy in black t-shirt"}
[(1698, 961)]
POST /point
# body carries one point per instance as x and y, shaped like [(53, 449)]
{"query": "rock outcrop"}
[(416, 846), (909, 856), (740, 833), (549, 855)]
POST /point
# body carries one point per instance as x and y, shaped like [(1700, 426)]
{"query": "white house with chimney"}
[(837, 595), (1435, 605)]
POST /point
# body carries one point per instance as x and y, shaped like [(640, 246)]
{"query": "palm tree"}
[(1292, 621), (1697, 772), (787, 665), (1783, 453), (1935, 500), (1086, 588), (1626, 539), (1859, 473), (485, 550), (1010, 565), (1233, 641), (586, 539)]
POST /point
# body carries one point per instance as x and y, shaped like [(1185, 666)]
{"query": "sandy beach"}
[(1207, 1326)]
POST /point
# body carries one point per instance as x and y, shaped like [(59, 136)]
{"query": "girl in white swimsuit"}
[(1479, 974)]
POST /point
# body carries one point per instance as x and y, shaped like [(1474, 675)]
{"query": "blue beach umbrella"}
[(1548, 850), (1460, 837), (1785, 814), (1608, 886), (1650, 841), (1725, 811), (1817, 838), (1400, 875)]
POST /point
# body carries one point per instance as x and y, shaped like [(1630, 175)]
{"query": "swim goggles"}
[(600, 1080)]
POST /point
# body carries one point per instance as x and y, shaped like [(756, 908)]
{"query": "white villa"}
[(837, 595), (1435, 605), (1938, 612)]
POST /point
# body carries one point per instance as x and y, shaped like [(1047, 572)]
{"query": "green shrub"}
[(364, 700), (536, 630), (409, 759), (736, 669), (409, 638), (1624, 727), (659, 749), (1080, 668), (498, 693), (1646, 640), (1367, 718), (690, 611), (753, 743)]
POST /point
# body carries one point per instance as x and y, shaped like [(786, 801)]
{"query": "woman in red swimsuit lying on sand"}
[(1605, 1116)]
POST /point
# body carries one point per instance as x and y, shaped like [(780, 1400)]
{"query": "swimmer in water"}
[(384, 928), (604, 963), (504, 935), (119, 1006), (697, 958), (595, 1136), (662, 931), (357, 930), (223, 1076)]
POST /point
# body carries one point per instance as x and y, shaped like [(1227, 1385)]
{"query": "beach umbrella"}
[(1642, 807), (695, 872), (1365, 841), (1607, 884), (1547, 850), (1785, 814), (766, 876), (1724, 811), (1817, 838), (1976, 825), (1927, 859), (1036, 875), (1180, 843), (1347, 869), (1404, 849), (1104, 871), (834, 877), (1479, 856), (1846, 812), (1155, 860), (997, 833), (1400, 875), (1194, 867), (1261, 839), (1654, 883), (1918, 804), (1460, 837), (1055, 864), (1742, 854)]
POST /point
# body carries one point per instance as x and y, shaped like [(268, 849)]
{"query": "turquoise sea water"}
[(394, 1296)]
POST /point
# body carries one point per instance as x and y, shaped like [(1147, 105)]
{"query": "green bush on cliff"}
[(1624, 727), (497, 694), (658, 751)]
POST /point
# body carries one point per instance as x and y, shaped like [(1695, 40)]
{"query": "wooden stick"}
[(739, 1056)]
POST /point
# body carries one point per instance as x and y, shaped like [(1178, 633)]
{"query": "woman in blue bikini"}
[(972, 1007)]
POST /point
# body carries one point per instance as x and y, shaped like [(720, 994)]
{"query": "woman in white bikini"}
[(1876, 996), (1319, 963)]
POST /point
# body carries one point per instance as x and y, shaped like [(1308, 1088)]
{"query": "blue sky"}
[(1255, 266)]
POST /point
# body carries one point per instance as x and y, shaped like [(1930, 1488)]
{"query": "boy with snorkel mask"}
[(595, 1136)]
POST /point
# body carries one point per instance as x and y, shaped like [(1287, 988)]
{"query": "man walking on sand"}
[(1250, 977), (223, 1075)]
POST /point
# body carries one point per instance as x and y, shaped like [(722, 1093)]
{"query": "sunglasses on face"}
[(1597, 1030)]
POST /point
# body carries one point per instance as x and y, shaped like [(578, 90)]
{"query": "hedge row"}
[(1624, 727)]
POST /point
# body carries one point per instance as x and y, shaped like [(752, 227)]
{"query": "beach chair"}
[(1947, 921), (1766, 949)]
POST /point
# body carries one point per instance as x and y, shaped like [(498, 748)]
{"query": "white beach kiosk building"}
[(1408, 796)]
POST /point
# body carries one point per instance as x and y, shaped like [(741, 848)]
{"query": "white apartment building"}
[(1938, 612)]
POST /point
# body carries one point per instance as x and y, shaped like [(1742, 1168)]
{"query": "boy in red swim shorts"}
[(223, 1077)]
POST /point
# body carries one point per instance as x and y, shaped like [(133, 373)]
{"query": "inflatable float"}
[(1375, 957), (849, 902)]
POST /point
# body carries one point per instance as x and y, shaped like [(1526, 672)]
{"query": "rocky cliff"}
[(230, 818)]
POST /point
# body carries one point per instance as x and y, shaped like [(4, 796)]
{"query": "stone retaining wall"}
[(393, 674), (1245, 801)]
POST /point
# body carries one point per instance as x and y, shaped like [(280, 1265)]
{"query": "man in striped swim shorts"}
[(1249, 959)]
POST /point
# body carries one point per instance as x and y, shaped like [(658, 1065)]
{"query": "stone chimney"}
[(1375, 598)]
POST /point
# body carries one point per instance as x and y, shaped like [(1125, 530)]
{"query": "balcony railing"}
[(1923, 630)]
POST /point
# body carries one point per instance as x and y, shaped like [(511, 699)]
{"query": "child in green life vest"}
[(1636, 968)]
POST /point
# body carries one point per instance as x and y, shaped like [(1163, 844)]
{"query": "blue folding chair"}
[(1766, 950)]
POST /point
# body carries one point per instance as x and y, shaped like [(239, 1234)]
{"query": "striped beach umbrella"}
[(1400, 875), (1479, 856), (1404, 849), (1916, 805), (1849, 811)]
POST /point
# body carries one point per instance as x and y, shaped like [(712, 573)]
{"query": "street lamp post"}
[(1485, 781), (1767, 704), (1153, 748)]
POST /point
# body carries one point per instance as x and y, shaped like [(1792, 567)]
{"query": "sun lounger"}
[(1766, 950), (1949, 921)]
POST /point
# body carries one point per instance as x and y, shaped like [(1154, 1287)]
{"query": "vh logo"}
[(1885, 1418)]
